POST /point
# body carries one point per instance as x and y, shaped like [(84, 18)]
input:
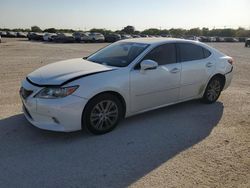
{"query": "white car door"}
[(156, 87), (197, 66)]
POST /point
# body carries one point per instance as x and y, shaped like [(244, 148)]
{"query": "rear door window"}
[(190, 52)]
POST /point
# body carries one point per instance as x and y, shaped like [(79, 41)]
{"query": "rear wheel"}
[(213, 90), (102, 114)]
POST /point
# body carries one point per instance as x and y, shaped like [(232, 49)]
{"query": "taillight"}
[(231, 61)]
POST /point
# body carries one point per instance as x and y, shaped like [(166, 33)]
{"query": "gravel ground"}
[(185, 145)]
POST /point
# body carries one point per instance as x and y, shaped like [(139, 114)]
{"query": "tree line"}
[(227, 32)]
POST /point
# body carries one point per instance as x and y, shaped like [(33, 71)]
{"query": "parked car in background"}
[(144, 36), (82, 37), (178, 36), (53, 37), (212, 39), (204, 39), (228, 39), (48, 36), (35, 36), (242, 39), (11, 34), (198, 39), (247, 43), (220, 39), (166, 35), (123, 79), (0, 39), (236, 39), (21, 35), (3, 33), (97, 37), (112, 37), (126, 36), (136, 36), (231, 39), (190, 37), (64, 38)]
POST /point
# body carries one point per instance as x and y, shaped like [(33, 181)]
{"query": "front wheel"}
[(102, 114), (213, 90)]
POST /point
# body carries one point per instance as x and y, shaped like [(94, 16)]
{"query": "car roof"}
[(161, 40), (158, 40)]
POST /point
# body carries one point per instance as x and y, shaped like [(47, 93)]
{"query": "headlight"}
[(56, 92)]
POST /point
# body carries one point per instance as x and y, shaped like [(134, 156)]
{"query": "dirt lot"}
[(186, 145)]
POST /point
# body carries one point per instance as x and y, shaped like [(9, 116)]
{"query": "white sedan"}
[(123, 79)]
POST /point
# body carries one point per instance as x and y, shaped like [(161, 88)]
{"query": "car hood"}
[(63, 71)]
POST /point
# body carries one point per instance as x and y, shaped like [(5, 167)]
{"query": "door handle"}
[(209, 64), (175, 70)]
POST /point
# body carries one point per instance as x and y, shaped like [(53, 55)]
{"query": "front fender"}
[(115, 81)]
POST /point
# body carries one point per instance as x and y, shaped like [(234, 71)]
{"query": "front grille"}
[(25, 93)]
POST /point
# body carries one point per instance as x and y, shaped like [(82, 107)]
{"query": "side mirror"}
[(148, 65)]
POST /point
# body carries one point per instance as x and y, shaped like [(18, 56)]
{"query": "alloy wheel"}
[(104, 115), (214, 89)]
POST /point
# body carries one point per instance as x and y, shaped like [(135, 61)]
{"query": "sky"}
[(116, 14)]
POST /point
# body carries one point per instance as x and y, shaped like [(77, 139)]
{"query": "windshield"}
[(119, 54)]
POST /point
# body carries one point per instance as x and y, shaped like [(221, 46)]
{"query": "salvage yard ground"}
[(186, 145)]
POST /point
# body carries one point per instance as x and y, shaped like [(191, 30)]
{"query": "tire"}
[(213, 90), (102, 114)]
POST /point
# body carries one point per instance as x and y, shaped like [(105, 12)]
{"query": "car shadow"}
[(139, 145)]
